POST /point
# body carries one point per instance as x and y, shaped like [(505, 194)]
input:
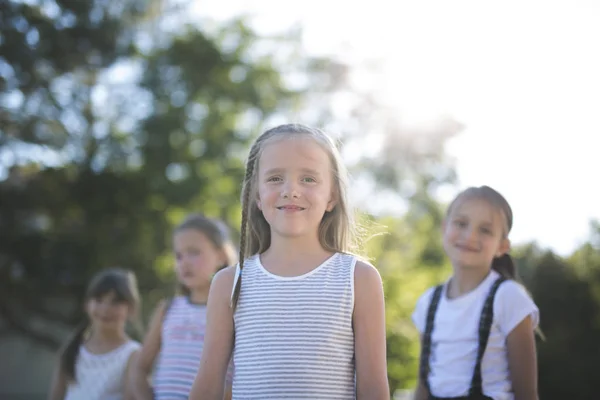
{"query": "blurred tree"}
[(114, 124), (52, 55), (569, 319)]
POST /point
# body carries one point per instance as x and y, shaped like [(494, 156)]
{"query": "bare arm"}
[(421, 392), (227, 393), (142, 366), (522, 360), (218, 340), (58, 390), (369, 334), (131, 363)]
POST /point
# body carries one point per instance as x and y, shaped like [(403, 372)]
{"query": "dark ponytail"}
[(70, 352), (505, 266)]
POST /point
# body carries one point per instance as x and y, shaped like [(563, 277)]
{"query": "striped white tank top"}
[(182, 341), (293, 335)]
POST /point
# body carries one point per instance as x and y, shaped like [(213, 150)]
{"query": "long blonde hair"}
[(337, 228)]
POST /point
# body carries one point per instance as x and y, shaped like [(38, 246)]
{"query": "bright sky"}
[(523, 76)]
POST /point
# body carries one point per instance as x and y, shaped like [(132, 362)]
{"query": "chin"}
[(291, 233), (470, 264)]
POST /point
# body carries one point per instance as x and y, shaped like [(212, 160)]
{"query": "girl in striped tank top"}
[(303, 317), (175, 339)]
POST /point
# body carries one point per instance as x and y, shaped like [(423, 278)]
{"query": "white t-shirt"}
[(455, 339), (101, 376)]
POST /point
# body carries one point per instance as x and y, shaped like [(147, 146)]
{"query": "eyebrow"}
[(484, 223), (280, 170)]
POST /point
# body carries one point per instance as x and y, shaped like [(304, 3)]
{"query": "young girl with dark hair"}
[(96, 361)]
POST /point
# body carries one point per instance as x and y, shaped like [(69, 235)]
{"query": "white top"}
[(454, 340), (101, 376), (293, 335)]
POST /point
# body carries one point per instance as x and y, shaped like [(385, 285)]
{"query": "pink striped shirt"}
[(183, 331)]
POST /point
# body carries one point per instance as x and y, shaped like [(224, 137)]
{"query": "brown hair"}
[(123, 284), (216, 232), (337, 231), (504, 264)]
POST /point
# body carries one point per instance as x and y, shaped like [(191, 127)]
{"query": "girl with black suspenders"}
[(477, 330)]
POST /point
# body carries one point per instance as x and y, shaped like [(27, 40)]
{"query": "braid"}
[(247, 189)]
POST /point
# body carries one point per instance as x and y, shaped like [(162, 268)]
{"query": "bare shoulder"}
[(366, 275), (222, 283), (159, 312), (224, 277)]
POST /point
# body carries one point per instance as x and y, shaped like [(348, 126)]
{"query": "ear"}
[(333, 201), (223, 257), (331, 205), (86, 307), (503, 248)]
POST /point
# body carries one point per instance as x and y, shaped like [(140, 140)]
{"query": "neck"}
[(199, 295), (465, 280), (108, 336), (289, 251)]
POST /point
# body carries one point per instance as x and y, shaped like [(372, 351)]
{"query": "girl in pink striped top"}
[(175, 338)]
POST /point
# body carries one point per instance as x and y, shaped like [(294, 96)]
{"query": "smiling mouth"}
[(291, 208), (469, 249)]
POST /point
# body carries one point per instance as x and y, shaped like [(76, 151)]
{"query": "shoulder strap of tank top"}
[(426, 346), (485, 326), (167, 307), (236, 277)]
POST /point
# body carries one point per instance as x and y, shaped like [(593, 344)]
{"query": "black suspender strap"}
[(426, 346), (485, 325)]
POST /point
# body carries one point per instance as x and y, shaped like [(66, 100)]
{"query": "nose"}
[(182, 260), (470, 234), (104, 308), (290, 190)]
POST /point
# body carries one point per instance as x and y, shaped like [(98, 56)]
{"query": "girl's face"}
[(474, 233), (108, 312), (295, 186), (197, 258)]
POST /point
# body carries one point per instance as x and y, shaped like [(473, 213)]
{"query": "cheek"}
[(320, 195), (450, 233), (267, 194), (195, 260), (122, 312)]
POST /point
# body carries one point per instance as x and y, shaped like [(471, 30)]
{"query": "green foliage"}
[(103, 167), (99, 168)]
